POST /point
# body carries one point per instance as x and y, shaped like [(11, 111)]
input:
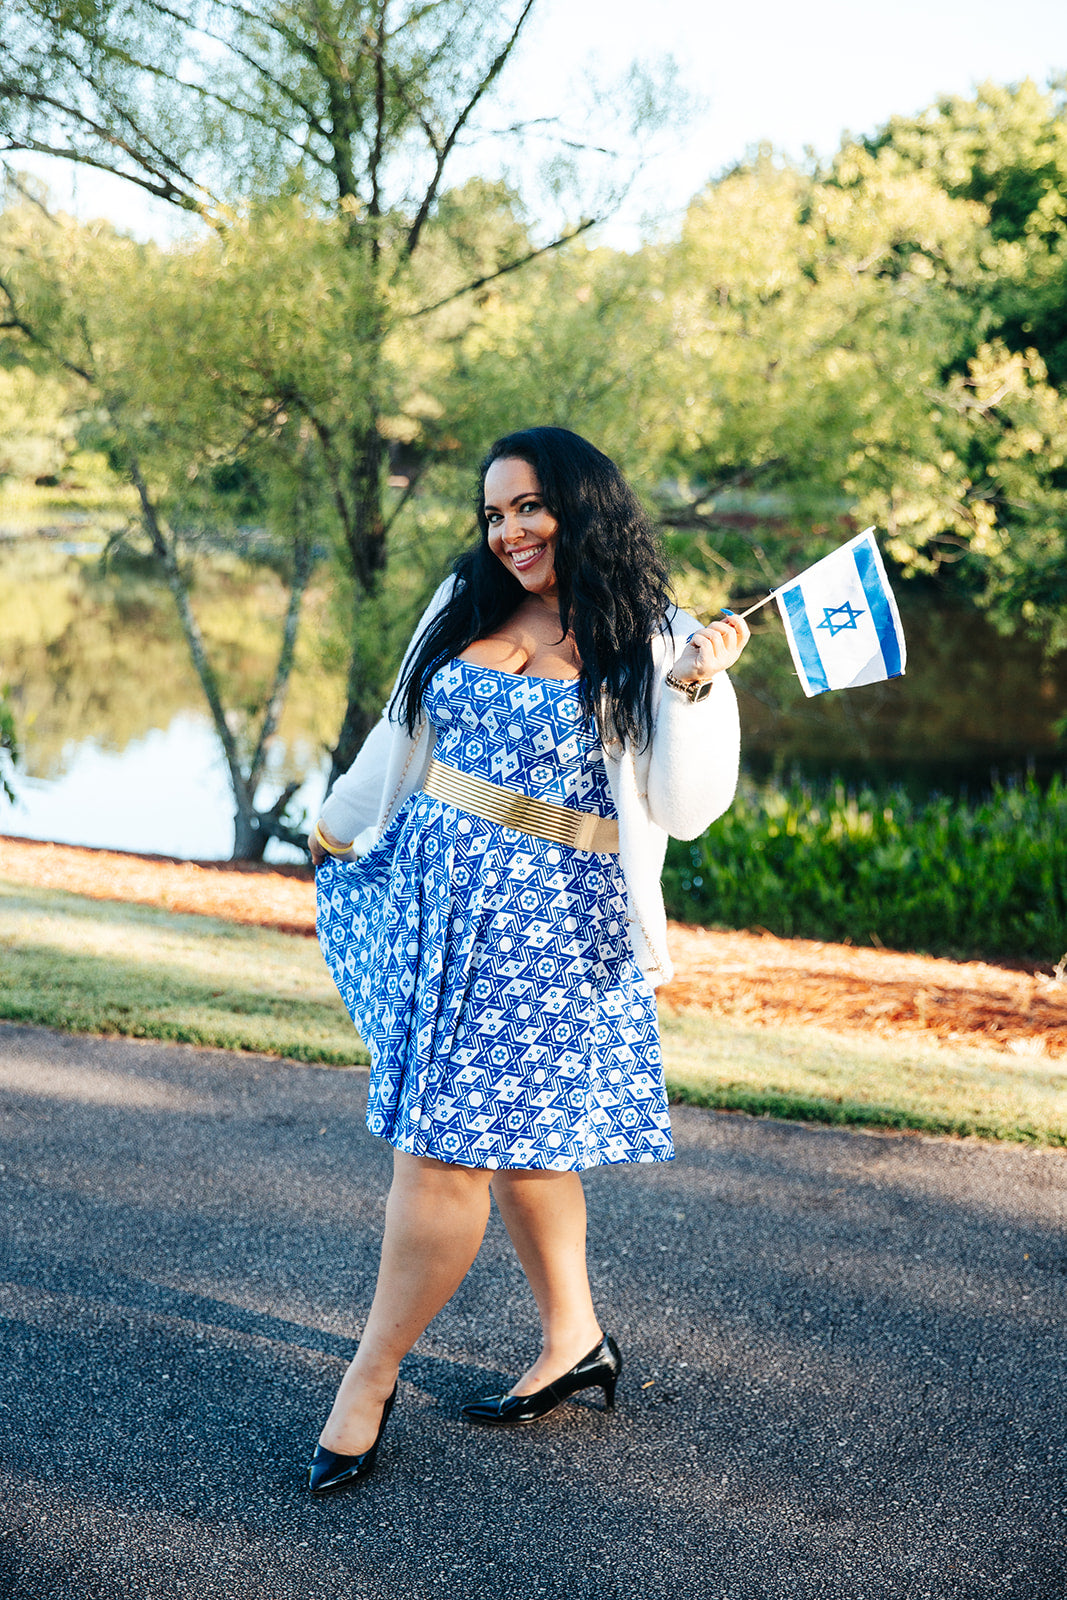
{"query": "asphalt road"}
[(846, 1358)]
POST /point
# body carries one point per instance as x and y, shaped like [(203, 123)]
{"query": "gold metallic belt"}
[(582, 830)]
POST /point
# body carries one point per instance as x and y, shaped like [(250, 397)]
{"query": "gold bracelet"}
[(330, 849)]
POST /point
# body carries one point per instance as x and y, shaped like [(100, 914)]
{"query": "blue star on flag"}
[(837, 618)]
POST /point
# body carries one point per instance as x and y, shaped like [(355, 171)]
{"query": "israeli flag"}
[(842, 621)]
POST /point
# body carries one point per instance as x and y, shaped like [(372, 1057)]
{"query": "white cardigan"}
[(678, 784)]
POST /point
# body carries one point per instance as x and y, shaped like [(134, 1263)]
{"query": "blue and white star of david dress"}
[(490, 973)]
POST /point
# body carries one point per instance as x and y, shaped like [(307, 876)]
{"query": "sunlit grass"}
[(97, 967), (813, 1075), (86, 480), (96, 504)]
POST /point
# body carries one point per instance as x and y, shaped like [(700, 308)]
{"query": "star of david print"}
[(838, 618), (490, 973)]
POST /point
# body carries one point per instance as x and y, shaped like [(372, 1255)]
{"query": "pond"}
[(117, 747), (166, 793), (119, 752)]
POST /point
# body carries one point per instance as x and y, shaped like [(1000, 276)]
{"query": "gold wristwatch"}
[(692, 691)]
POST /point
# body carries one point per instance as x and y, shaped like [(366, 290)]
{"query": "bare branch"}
[(164, 162), (268, 19), (405, 495), (224, 101), (271, 22), (165, 552), (30, 198), (303, 565), (378, 145), (496, 67), (324, 434), (17, 324), (163, 190), (413, 18), (512, 266), (164, 185), (568, 141)]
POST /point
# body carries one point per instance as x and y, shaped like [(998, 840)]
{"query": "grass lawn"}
[(813, 1075), (96, 967)]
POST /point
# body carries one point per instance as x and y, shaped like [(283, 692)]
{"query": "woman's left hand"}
[(712, 649)]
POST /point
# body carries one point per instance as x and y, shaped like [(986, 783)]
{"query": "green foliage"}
[(880, 341), (1005, 149), (810, 321), (883, 340), (9, 746), (1002, 414), (38, 424), (314, 144), (577, 341), (945, 875)]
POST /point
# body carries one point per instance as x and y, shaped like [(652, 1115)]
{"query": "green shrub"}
[(944, 874), (9, 747)]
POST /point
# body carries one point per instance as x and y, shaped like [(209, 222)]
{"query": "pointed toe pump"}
[(598, 1370), (329, 1471)]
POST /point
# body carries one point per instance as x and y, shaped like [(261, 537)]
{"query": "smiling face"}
[(522, 531)]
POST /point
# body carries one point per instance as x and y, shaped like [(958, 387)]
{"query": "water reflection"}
[(117, 748), (164, 794), (973, 705), (93, 655)]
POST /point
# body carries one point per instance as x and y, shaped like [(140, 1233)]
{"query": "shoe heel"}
[(608, 1387)]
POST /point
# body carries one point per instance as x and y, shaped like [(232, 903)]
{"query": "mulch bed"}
[(748, 977)]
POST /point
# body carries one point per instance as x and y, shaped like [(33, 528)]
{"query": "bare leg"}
[(434, 1222), (544, 1213)]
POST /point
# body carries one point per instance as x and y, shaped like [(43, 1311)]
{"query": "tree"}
[(1003, 409), (104, 301), (579, 341), (351, 112), (812, 321), (1005, 149)]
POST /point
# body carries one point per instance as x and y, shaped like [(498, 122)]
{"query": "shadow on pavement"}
[(845, 1357)]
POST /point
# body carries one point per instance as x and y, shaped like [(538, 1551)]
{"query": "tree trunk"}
[(251, 828), (355, 726), (249, 838), (368, 560)]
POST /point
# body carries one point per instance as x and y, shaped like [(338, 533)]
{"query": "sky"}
[(798, 74), (782, 71)]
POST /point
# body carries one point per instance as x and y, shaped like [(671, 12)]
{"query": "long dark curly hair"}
[(611, 575)]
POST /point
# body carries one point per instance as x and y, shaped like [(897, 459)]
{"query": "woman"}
[(498, 951)]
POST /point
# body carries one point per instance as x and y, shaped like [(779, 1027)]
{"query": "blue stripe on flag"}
[(808, 650), (881, 615)]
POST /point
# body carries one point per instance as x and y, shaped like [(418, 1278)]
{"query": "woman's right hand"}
[(319, 851)]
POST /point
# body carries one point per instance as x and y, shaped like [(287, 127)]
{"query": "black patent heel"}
[(329, 1471), (598, 1370)]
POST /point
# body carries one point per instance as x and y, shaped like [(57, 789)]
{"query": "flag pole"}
[(764, 602)]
